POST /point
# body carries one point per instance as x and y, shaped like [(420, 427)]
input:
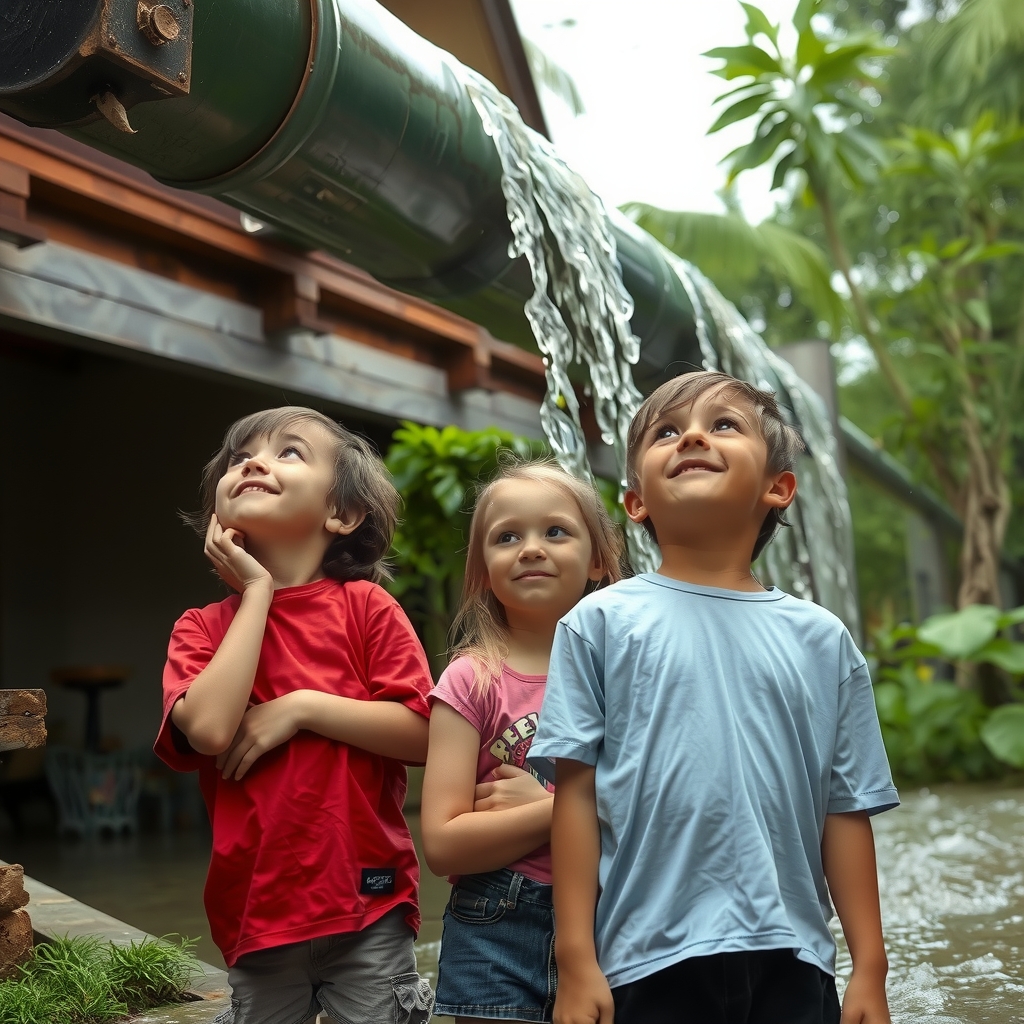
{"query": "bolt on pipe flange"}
[(158, 23)]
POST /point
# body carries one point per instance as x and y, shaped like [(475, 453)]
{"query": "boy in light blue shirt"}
[(718, 752)]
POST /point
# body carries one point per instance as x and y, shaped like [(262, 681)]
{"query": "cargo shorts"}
[(366, 977)]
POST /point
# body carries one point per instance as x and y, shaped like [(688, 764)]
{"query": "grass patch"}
[(85, 981)]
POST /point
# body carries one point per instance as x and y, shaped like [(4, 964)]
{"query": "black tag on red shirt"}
[(377, 881)]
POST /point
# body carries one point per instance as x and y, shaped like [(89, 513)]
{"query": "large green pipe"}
[(327, 119)]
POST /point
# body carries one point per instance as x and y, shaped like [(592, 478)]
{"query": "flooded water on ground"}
[(951, 866)]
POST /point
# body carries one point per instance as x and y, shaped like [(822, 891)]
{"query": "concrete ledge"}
[(54, 914)]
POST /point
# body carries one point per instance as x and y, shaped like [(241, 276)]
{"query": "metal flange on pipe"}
[(330, 121)]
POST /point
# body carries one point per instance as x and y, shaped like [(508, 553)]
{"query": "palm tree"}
[(978, 56), (809, 108), (733, 253)]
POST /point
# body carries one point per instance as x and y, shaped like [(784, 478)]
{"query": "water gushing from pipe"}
[(580, 312)]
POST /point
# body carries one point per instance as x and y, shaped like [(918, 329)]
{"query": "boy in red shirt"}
[(298, 699)]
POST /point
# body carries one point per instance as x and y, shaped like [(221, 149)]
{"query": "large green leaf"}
[(745, 56), (786, 163), (961, 634), (845, 61), (1006, 654), (758, 23), (771, 135), (805, 10), (743, 108), (1003, 734), (810, 48), (1013, 617), (732, 252)]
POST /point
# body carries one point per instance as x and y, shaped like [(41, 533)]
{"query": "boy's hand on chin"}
[(233, 564), (864, 1001), (583, 997), (263, 727)]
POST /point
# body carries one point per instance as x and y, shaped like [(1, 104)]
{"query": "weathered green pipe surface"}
[(335, 124)]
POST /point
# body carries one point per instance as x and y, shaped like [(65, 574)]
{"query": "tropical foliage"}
[(436, 473), (732, 253), (909, 184), (934, 729)]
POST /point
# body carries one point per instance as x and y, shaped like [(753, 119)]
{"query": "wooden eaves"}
[(88, 204)]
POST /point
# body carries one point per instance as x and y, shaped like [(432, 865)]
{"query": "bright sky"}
[(649, 95)]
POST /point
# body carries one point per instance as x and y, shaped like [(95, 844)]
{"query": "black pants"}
[(767, 986)]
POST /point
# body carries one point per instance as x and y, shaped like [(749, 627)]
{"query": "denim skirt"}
[(498, 949)]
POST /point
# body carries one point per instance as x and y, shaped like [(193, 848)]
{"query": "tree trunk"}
[(985, 517), (986, 504), (841, 258)]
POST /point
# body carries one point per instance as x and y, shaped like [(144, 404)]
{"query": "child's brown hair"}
[(784, 444), (361, 484), (480, 622)]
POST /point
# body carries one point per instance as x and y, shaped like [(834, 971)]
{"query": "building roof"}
[(131, 236)]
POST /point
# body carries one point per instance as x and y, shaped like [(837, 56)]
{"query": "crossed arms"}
[(215, 717)]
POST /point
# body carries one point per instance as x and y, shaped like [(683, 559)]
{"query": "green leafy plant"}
[(934, 729), (732, 253), (940, 308), (436, 473), (1003, 734), (82, 980), (150, 973), (810, 107)]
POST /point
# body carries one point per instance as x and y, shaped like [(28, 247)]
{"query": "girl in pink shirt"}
[(539, 540)]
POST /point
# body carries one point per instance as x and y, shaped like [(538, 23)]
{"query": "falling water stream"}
[(951, 863), (580, 315)]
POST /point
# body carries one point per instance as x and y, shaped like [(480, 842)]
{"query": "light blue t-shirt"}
[(724, 726)]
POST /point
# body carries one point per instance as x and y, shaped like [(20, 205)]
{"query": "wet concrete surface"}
[(155, 882)]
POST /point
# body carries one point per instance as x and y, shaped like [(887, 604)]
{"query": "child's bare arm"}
[(211, 711), (848, 856), (583, 995), (456, 839), (379, 726)]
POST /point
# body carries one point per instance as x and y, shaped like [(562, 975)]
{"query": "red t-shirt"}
[(312, 840)]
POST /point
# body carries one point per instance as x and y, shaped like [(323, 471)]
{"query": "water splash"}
[(951, 875), (579, 314), (951, 872), (579, 311)]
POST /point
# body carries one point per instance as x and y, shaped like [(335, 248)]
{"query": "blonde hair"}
[(480, 622)]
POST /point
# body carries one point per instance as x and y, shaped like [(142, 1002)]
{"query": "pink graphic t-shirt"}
[(505, 715)]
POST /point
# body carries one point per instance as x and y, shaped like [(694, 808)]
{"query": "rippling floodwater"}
[(952, 873), (951, 869)]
